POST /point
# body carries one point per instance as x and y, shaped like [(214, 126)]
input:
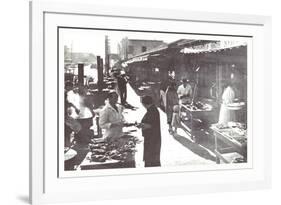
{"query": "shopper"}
[(171, 101), (175, 124), (150, 126), (122, 88)]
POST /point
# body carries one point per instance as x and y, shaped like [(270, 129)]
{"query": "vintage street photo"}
[(140, 99)]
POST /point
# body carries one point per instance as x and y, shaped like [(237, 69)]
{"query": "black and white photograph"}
[(138, 99), (147, 102)]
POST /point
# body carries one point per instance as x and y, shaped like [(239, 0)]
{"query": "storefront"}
[(210, 66)]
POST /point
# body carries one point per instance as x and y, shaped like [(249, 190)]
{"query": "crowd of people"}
[(78, 114), (79, 119), (184, 94), (174, 97)]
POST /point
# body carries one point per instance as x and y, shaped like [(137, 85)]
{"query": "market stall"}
[(116, 154), (234, 137), (196, 116)]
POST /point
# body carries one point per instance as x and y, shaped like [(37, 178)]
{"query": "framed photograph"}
[(129, 102)]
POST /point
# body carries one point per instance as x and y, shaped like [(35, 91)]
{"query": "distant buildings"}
[(129, 48), (78, 57)]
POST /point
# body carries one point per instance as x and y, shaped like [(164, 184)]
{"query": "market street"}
[(175, 150)]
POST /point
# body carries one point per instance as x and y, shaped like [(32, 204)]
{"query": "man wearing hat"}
[(184, 92)]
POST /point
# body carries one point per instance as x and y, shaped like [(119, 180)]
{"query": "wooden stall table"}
[(115, 154), (235, 139), (190, 116), (87, 164), (76, 155)]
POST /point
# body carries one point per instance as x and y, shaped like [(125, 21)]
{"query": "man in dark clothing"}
[(122, 86), (150, 125)]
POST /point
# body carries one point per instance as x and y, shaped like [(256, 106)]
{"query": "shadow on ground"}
[(24, 199), (129, 106), (194, 147)]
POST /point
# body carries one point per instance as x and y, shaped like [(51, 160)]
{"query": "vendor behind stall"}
[(70, 113), (228, 96), (111, 118), (184, 92), (85, 115)]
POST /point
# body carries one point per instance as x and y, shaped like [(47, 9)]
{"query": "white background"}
[(14, 100)]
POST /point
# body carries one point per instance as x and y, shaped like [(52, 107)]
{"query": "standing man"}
[(122, 87), (111, 118), (70, 114), (228, 96), (185, 92), (150, 126), (85, 116), (71, 99), (171, 101)]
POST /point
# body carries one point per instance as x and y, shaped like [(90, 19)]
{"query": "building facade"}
[(129, 48)]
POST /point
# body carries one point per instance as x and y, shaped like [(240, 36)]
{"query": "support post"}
[(100, 72), (80, 74)]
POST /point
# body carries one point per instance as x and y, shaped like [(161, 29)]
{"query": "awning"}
[(207, 49), (137, 59)]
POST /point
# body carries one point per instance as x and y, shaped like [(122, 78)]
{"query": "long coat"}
[(227, 115), (171, 101), (152, 136)]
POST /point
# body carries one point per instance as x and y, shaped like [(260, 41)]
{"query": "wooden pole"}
[(100, 72), (80, 74)]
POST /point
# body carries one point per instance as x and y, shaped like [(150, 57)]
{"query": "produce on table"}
[(116, 150)]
